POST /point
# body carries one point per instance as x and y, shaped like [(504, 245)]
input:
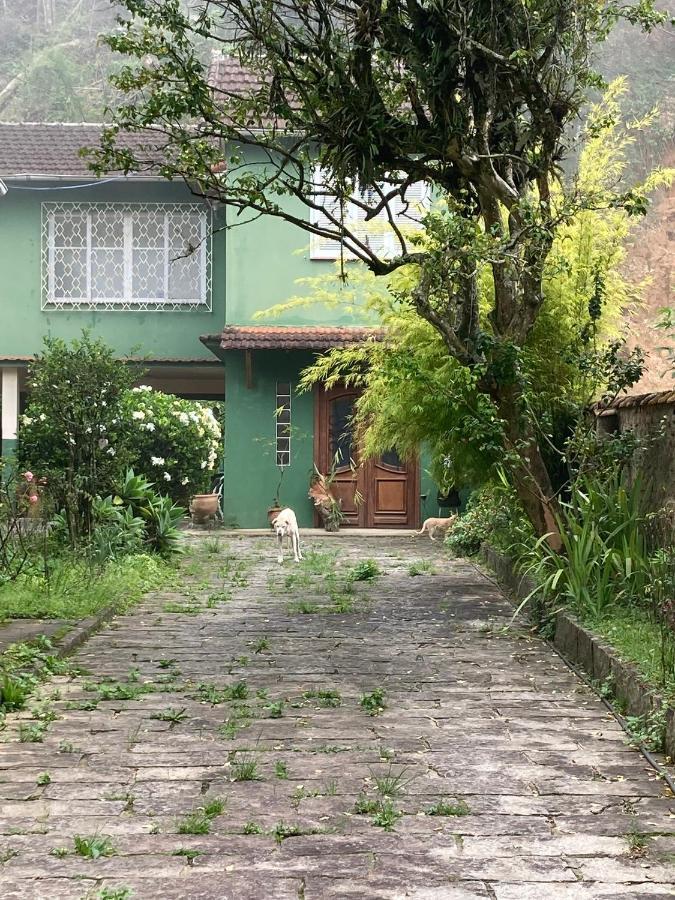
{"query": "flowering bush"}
[(175, 443)]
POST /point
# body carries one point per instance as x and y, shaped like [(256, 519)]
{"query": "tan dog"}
[(431, 526)]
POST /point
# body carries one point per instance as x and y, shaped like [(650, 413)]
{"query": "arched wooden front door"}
[(375, 493)]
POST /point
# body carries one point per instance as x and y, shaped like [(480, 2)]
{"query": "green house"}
[(158, 274)]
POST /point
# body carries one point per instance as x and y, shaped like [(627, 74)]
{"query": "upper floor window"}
[(125, 256), (377, 232)]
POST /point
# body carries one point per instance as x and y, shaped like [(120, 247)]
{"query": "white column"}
[(10, 403)]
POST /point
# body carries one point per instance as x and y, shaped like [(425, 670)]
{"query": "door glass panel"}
[(340, 431), (393, 460)]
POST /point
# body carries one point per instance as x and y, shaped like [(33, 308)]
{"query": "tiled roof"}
[(287, 337), (229, 80), (52, 148), (657, 398), (226, 75)]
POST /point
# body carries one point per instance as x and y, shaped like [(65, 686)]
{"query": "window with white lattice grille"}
[(125, 256), (283, 423), (376, 233)]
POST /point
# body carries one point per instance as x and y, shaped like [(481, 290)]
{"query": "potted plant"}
[(328, 506)]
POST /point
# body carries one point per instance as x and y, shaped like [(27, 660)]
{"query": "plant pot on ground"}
[(204, 508), (273, 511)]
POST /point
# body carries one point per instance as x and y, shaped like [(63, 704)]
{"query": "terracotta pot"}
[(203, 507), (272, 513)]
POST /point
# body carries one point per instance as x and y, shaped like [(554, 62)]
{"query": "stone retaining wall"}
[(589, 652)]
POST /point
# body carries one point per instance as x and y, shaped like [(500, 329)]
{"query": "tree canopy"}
[(359, 101)]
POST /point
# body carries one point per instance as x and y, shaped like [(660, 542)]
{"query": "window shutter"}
[(377, 232)]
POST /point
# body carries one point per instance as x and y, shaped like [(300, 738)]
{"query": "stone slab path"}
[(232, 708)]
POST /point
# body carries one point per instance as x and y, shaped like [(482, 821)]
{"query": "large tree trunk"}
[(528, 470)]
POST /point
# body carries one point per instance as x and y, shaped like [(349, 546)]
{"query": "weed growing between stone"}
[(93, 847), (444, 807), (199, 821), (373, 703)]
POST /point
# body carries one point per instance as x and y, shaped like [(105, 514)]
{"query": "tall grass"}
[(605, 558), (75, 590)]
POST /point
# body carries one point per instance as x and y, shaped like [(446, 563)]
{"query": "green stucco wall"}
[(251, 475), (22, 323)]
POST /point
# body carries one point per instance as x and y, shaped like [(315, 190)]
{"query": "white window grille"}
[(283, 423), (126, 256), (377, 232)]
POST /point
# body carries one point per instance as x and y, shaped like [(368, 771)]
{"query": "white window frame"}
[(128, 302), (377, 229), (283, 429)]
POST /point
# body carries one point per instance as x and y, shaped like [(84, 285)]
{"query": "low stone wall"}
[(650, 416), (589, 652)]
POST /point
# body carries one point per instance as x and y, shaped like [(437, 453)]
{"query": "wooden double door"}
[(379, 492)]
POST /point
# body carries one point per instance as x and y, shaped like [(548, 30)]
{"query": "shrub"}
[(493, 514), (175, 442), (159, 513), (70, 432)]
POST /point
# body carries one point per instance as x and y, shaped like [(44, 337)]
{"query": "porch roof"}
[(290, 337)]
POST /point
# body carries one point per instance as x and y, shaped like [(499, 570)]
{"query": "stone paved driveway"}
[(240, 675)]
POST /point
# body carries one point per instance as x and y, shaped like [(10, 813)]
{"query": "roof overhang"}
[(289, 337)]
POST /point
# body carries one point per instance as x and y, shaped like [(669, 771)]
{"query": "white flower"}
[(183, 418), (42, 417), (115, 421), (103, 403), (194, 417), (102, 443), (144, 387), (138, 414), (27, 420), (157, 460), (111, 451), (149, 426), (204, 464), (185, 480), (167, 477), (87, 430)]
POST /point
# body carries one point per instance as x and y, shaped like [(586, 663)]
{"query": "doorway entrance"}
[(382, 492)]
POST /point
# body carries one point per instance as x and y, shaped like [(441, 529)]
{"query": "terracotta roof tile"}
[(52, 148), (657, 398), (288, 337), (226, 75)]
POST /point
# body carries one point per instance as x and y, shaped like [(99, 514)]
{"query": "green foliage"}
[(606, 558), (159, 513), (94, 847), (649, 730), (199, 821), (492, 514), (449, 808), (175, 442), (421, 567), (374, 702), (416, 393), (667, 324), (71, 431), (13, 694), (71, 589), (365, 570)]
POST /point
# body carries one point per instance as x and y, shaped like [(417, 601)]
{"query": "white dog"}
[(286, 525)]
